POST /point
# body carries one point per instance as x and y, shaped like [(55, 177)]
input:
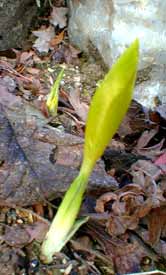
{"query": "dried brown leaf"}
[(147, 167), (129, 205), (39, 209), (58, 17), (42, 43), (124, 213), (128, 259), (134, 120), (33, 71), (70, 54), (162, 110), (162, 186), (26, 58), (118, 225), (80, 108), (126, 253), (117, 145), (153, 151), (125, 127), (16, 236), (57, 39), (100, 203), (145, 138), (37, 231), (119, 207), (161, 162), (131, 188), (157, 224), (65, 53)]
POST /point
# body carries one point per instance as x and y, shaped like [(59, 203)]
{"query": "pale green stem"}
[(64, 220)]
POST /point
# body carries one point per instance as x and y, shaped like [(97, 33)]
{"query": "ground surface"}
[(40, 155)]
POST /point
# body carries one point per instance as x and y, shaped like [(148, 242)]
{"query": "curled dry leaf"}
[(153, 192), (129, 205), (100, 203), (124, 213)]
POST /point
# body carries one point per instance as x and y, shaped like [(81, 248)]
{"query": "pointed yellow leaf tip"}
[(52, 100), (110, 103)]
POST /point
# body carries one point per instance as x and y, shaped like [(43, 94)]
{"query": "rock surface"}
[(110, 26), (36, 160), (15, 19)]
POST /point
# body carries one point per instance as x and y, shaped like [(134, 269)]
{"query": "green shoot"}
[(108, 107), (52, 100)]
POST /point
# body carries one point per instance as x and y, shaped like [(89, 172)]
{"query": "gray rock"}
[(15, 19), (90, 24), (38, 161), (110, 26)]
